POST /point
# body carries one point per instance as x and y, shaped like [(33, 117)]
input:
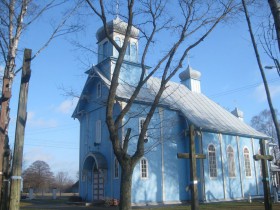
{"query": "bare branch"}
[(59, 30)]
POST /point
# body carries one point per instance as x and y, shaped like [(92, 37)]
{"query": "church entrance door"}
[(98, 185)]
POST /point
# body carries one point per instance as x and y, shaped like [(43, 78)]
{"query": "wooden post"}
[(19, 136), (264, 158), (193, 157)]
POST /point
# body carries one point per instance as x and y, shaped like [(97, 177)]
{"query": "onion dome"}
[(190, 73), (116, 25)]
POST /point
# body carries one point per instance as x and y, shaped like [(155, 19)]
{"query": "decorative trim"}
[(239, 164), (222, 161)]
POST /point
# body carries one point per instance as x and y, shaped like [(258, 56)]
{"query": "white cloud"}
[(39, 122), (67, 106), (260, 93), (275, 91)]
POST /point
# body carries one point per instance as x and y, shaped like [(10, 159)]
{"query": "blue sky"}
[(230, 77)]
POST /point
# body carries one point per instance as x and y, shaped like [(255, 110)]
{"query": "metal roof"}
[(198, 109)]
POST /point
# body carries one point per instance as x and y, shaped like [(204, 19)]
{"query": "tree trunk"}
[(125, 191), (272, 110), (275, 10)]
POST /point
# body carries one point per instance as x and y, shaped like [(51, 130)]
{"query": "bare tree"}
[(193, 22), (15, 18), (63, 181), (263, 122), (38, 176), (275, 10), (258, 58)]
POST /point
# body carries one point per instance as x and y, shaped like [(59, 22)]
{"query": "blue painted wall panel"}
[(249, 182), (213, 185), (232, 183)]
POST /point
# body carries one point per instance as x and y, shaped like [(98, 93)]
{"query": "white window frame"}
[(144, 168), (98, 90), (212, 161), (98, 131), (247, 163), (231, 162), (116, 168)]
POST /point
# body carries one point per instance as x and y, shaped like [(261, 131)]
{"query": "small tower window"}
[(105, 50), (127, 52), (118, 41), (144, 168), (100, 53), (133, 51), (98, 90)]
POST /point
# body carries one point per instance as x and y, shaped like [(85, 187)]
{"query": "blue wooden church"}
[(228, 172)]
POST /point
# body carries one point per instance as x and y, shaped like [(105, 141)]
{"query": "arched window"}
[(100, 53), (212, 161), (118, 41), (231, 162), (98, 90), (144, 168), (105, 50), (116, 168), (127, 52), (247, 162), (133, 51)]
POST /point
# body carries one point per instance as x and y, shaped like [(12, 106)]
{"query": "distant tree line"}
[(41, 179)]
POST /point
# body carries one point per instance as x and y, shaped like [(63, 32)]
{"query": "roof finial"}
[(117, 9)]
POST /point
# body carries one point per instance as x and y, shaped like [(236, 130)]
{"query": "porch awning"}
[(95, 159)]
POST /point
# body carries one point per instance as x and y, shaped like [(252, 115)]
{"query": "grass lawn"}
[(61, 203)]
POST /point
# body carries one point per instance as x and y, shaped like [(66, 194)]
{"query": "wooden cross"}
[(193, 156), (264, 158)]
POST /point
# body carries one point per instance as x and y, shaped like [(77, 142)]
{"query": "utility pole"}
[(19, 136), (7, 174), (193, 157), (266, 187)]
